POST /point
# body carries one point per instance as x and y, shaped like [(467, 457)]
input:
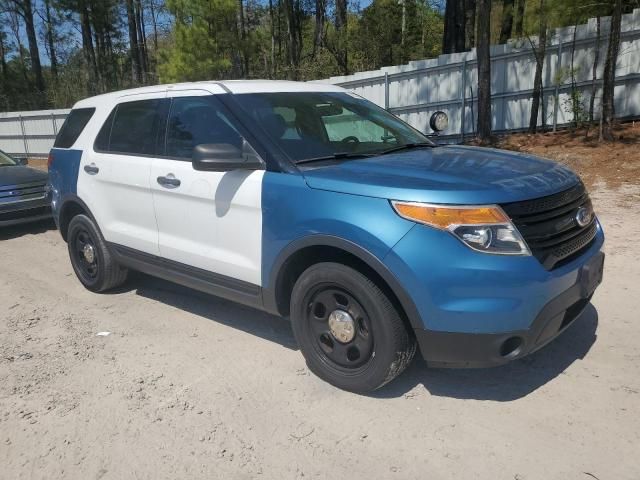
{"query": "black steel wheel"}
[(85, 255), (341, 326), (90, 257), (348, 330)]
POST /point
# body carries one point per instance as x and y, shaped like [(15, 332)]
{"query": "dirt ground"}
[(612, 164), (190, 386)]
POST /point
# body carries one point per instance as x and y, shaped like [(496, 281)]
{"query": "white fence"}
[(449, 82), (30, 134), (415, 91)]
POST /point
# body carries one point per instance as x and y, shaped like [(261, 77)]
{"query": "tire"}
[(360, 359), (104, 272)]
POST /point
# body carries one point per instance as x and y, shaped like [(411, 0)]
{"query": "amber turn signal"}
[(443, 216)]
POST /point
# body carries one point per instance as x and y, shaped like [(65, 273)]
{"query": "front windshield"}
[(325, 124), (6, 160)]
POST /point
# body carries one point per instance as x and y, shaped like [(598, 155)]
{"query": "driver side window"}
[(195, 121)]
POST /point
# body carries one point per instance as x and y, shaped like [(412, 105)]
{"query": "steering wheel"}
[(350, 139)]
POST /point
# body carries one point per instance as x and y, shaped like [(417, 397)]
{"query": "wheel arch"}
[(71, 207), (308, 251)]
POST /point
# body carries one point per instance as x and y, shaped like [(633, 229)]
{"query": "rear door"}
[(115, 174), (208, 220)]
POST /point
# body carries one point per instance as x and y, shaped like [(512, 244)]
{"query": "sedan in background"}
[(23, 192)]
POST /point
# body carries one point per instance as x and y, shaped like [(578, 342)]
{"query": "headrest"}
[(274, 124)]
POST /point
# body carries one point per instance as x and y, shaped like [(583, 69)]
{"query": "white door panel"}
[(212, 221), (123, 198), (119, 192)]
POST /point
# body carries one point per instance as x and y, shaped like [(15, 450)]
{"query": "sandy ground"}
[(190, 386)]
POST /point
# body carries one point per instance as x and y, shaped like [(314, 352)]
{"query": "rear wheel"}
[(348, 330), (92, 262)]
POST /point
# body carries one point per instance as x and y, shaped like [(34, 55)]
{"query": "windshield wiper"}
[(408, 146), (336, 156)]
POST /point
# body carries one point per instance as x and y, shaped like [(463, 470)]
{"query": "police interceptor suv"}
[(310, 202)]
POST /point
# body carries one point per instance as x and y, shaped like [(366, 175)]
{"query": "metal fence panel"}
[(416, 90), (30, 134)]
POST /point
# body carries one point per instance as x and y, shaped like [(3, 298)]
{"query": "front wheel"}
[(92, 261), (348, 330)]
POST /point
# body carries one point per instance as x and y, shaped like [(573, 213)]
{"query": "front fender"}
[(296, 216), (318, 240)]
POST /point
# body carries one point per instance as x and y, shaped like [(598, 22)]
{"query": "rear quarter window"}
[(134, 128), (73, 126)]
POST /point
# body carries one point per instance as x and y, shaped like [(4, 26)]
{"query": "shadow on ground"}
[(34, 228), (249, 320), (502, 384), (509, 382)]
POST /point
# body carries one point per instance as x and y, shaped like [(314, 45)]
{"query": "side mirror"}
[(23, 161), (222, 157)]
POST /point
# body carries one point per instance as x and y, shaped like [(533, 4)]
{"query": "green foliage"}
[(203, 40), (575, 105)]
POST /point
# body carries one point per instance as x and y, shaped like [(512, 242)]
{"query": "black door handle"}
[(169, 181), (91, 169)]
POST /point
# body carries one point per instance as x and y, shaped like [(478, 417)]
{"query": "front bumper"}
[(474, 350), (478, 310), (24, 211)]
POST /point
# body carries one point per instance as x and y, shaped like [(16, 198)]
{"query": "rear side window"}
[(132, 128), (73, 126)]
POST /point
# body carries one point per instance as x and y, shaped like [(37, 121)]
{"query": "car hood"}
[(449, 174), (18, 175)]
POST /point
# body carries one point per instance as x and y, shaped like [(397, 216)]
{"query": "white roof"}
[(216, 87)]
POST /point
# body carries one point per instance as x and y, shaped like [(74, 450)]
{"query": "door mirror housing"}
[(223, 157), (22, 161)]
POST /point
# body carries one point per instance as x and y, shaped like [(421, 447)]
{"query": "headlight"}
[(483, 228)]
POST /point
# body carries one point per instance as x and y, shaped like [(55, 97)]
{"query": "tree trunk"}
[(454, 27), (594, 76), (608, 88), (50, 40), (538, 90), (575, 103), (272, 27), (154, 23), (25, 8), (507, 20), (519, 24), (87, 48), (299, 16), (243, 37), (318, 33), (142, 41), (3, 58), (403, 31), (470, 24), (484, 70), (292, 36), (341, 29), (136, 70), (14, 20)]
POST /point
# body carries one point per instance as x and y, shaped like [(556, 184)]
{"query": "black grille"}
[(550, 228), (26, 191)]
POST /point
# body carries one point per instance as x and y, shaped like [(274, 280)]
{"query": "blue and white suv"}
[(307, 201)]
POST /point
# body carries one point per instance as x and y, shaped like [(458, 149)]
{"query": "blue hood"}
[(11, 176), (451, 174)]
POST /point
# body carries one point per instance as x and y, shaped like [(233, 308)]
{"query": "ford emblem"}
[(583, 216)]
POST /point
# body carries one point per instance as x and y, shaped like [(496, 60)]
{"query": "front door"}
[(208, 220)]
